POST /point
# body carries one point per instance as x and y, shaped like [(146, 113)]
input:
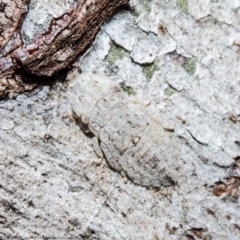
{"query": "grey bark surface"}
[(183, 58)]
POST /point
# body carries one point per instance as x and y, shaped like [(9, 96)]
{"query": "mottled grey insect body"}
[(132, 141)]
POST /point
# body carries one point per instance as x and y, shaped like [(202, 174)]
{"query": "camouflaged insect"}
[(133, 142)]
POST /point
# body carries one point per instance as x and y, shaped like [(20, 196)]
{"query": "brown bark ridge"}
[(67, 37), (12, 14)]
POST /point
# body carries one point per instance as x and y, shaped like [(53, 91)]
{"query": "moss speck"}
[(144, 7), (147, 6), (190, 66), (116, 53), (149, 69), (169, 91), (75, 189), (129, 90), (182, 5)]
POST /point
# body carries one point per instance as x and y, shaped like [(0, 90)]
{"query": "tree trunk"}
[(174, 65)]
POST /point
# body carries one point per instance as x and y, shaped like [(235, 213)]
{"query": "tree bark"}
[(177, 64), (66, 37)]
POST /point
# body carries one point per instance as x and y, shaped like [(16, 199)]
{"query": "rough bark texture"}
[(66, 37), (12, 14), (183, 56)]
